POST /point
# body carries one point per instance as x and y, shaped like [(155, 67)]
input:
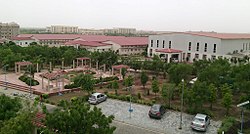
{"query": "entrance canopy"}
[(168, 50), (170, 55)]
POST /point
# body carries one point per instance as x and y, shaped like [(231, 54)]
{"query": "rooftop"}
[(86, 43), (21, 38)]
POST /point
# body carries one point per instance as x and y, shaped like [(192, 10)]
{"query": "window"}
[(197, 46), (189, 46), (157, 43), (26, 42), (169, 45), (214, 48), (243, 46), (246, 46), (151, 43), (196, 56), (163, 43), (205, 48), (204, 57)]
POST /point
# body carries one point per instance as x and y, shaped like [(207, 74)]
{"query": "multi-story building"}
[(120, 31), (23, 41), (9, 30), (189, 46), (91, 32), (62, 29)]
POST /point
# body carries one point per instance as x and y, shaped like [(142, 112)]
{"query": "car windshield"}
[(92, 97), (198, 119), (155, 107)]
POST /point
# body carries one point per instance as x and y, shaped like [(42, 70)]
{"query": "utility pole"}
[(181, 104), (241, 105)]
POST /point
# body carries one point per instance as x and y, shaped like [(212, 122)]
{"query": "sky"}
[(159, 15)]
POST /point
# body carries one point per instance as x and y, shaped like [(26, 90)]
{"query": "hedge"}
[(226, 124), (28, 79)]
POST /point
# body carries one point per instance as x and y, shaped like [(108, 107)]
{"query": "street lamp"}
[(180, 127), (30, 82), (5, 78), (242, 114)]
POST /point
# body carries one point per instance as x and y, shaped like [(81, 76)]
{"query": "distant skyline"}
[(231, 16)]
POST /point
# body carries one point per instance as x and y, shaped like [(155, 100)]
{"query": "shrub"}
[(70, 86), (45, 96), (226, 124), (73, 99), (28, 80), (139, 95)]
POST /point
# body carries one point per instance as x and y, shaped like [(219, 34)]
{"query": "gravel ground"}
[(168, 124)]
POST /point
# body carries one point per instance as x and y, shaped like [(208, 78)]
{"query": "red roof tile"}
[(167, 50), (86, 43), (131, 41), (22, 38), (120, 66), (23, 63)]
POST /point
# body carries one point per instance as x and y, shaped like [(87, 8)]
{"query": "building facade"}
[(62, 29), (120, 31), (9, 30), (23, 41), (197, 45), (91, 32)]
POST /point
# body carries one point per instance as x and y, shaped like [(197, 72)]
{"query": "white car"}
[(96, 98), (200, 122)]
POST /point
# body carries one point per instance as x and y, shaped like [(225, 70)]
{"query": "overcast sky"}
[(162, 15)]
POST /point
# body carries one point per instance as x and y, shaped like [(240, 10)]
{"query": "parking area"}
[(169, 124)]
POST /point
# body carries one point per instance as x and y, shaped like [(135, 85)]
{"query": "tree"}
[(129, 81), (212, 95), (79, 118), (177, 72), (115, 86), (21, 124), (9, 107), (164, 92), (124, 71), (144, 80), (227, 101), (155, 86), (86, 82)]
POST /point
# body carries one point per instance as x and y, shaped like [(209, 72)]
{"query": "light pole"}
[(241, 105), (30, 81), (181, 104), (5, 78)]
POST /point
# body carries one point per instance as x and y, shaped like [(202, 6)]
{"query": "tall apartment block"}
[(9, 30), (62, 29)]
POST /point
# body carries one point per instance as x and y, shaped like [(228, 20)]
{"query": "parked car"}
[(96, 98), (156, 111), (200, 122)]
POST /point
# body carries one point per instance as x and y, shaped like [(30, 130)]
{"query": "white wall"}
[(232, 45), (23, 43)]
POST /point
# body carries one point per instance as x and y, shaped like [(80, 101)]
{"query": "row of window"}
[(246, 46), (163, 43), (198, 47)]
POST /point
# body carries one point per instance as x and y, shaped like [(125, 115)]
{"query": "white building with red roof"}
[(189, 46), (121, 44), (23, 41)]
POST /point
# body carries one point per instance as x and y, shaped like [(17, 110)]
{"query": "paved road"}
[(168, 124)]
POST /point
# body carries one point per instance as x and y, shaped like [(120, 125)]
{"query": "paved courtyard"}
[(168, 124)]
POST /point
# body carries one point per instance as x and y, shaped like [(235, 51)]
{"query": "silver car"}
[(200, 122), (96, 98)]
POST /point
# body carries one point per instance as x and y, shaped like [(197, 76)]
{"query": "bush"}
[(139, 95), (73, 99), (226, 124), (70, 86), (45, 96), (28, 80)]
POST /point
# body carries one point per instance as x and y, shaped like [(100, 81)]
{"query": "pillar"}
[(19, 68), (42, 83), (97, 65), (48, 85), (90, 63), (62, 82), (73, 64), (82, 63), (37, 67), (62, 65), (56, 81), (85, 62), (121, 72), (169, 56), (77, 63), (104, 68), (112, 73), (50, 66), (15, 68)]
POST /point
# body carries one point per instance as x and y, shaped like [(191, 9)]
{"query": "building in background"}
[(9, 30), (62, 29), (122, 31), (190, 46), (91, 31)]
